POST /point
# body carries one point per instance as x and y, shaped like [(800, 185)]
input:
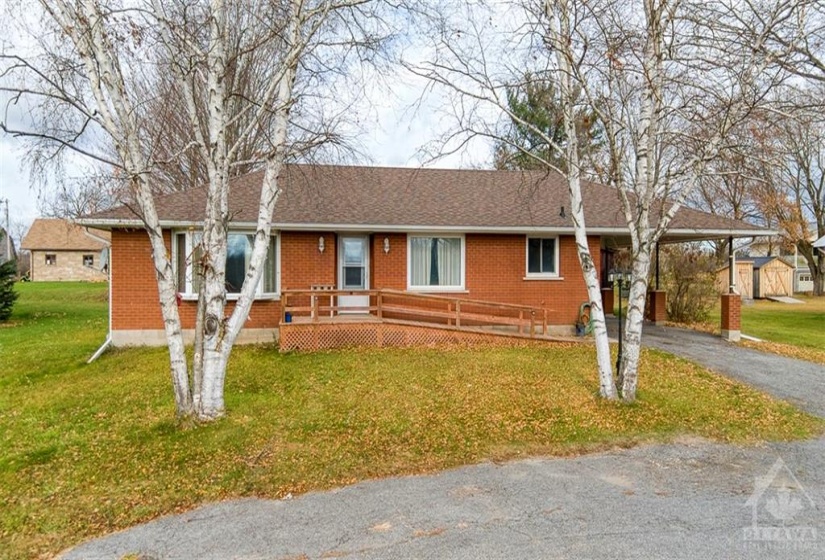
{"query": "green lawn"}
[(88, 449), (801, 325), (793, 330)]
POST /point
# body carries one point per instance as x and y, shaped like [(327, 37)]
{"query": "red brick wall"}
[(656, 306), (135, 300), (496, 267), (302, 264), (389, 270)]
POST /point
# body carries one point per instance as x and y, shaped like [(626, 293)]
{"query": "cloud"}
[(14, 182), (405, 119)]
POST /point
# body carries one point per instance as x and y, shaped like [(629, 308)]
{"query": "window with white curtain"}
[(238, 254), (435, 263)]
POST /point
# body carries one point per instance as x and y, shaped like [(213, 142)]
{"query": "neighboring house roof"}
[(820, 243), (62, 235), (384, 198), (759, 262)]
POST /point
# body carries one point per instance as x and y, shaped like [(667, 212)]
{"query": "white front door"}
[(353, 273)]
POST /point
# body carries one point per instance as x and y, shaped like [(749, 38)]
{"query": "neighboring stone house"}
[(62, 251)]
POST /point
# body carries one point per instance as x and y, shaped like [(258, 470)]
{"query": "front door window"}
[(354, 263)]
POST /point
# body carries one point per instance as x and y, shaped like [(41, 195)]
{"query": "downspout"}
[(108, 341), (731, 267), (657, 266)]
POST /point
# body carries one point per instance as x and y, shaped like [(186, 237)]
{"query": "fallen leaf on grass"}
[(428, 533)]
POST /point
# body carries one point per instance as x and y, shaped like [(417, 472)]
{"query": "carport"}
[(718, 229)]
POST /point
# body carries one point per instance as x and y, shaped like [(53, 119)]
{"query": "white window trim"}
[(541, 275), (189, 295), (460, 288), (339, 272)]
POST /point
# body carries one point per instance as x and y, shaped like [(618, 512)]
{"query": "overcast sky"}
[(397, 122), (395, 133)]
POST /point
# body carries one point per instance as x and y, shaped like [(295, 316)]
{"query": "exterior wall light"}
[(321, 244), (386, 245)]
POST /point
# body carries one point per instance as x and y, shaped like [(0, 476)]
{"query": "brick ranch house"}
[(65, 252), (493, 236)]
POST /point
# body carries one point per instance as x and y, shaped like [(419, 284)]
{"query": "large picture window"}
[(542, 257), (435, 263), (238, 254)]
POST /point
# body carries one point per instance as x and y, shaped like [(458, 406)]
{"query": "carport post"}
[(731, 302), (657, 299)]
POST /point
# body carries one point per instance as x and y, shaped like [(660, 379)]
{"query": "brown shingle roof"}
[(384, 197), (62, 235)]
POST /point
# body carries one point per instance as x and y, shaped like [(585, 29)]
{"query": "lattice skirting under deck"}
[(325, 336)]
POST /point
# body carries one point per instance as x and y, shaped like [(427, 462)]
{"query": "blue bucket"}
[(287, 317)]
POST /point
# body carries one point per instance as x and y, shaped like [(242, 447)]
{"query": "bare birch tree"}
[(468, 60), (662, 76), (674, 75), (87, 80), (793, 190), (797, 45)]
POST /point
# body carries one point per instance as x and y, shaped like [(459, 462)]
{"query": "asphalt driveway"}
[(797, 381), (691, 499)]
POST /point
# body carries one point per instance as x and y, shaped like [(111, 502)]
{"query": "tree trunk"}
[(607, 387), (214, 374), (560, 30), (168, 303), (816, 264), (215, 348), (632, 343), (818, 275), (197, 354)]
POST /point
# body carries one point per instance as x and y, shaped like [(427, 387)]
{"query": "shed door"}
[(776, 281), (745, 281)]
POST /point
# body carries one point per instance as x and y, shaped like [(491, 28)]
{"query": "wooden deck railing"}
[(409, 307)]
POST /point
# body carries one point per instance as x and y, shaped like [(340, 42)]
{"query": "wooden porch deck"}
[(314, 320)]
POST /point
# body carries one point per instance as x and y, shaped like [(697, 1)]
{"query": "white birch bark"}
[(209, 401), (216, 332), (83, 24), (216, 53), (559, 31), (638, 217), (632, 93), (218, 344)]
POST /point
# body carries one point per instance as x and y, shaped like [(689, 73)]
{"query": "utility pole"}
[(8, 230)]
